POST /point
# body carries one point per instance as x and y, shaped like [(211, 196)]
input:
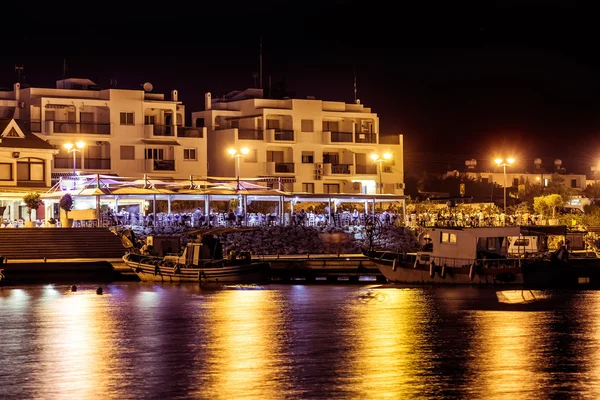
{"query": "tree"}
[(32, 200), (544, 204), (557, 185), (66, 204)]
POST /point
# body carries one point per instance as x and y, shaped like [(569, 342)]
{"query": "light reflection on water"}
[(321, 341)]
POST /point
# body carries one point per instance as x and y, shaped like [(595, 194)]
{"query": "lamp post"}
[(74, 148), (379, 161), (504, 163), (237, 154)]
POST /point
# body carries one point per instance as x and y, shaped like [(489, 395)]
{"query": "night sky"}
[(460, 80)]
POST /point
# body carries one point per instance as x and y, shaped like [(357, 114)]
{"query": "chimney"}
[(174, 95), (207, 101)]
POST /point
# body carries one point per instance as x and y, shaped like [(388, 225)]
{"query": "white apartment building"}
[(310, 145), (126, 132)]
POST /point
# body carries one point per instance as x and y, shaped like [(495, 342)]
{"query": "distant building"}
[(126, 132), (306, 145)]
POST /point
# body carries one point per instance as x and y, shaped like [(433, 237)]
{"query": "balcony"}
[(280, 168), (341, 169), (341, 137), (250, 134), (97, 163), (365, 137), (66, 162), (189, 132), (90, 128), (366, 169), (163, 165), (278, 135), (159, 130)]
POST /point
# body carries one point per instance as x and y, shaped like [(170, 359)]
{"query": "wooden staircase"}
[(59, 243)]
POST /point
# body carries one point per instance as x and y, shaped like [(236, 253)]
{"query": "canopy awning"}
[(161, 142)]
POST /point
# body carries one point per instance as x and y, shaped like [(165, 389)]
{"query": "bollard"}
[(99, 290)]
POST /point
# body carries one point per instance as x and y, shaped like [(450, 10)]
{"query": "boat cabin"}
[(210, 248), (469, 243)]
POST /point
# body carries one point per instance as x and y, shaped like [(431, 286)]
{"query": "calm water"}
[(145, 341)]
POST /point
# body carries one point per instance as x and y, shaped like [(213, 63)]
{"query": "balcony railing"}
[(340, 169), (365, 137), (250, 134), (164, 165), (366, 169), (91, 128), (283, 134), (341, 137), (97, 163), (189, 132), (66, 162), (286, 168), (389, 139), (164, 130)]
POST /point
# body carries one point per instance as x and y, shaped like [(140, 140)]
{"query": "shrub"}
[(66, 203), (32, 201)]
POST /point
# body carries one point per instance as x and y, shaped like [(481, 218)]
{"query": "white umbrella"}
[(245, 185)]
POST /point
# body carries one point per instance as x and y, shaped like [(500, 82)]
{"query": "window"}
[(127, 118), (331, 188), (30, 169), (6, 172), (148, 119), (307, 125), (127, 152), (154, 154), (331, 158), (308, 157), (448, 237), (189, 154), (308, 187), (573, 183)]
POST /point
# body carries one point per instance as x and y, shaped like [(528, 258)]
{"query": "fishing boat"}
[(201, 261), (455, 255)]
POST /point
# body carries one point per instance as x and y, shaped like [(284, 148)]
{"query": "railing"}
[(82, 127), (366, 169), (97, 163), (287, 168), (340, 169), (189, 132), (341, 137), (164, 165), (66, 162), (283, 134), (250, 134), (365, 137), (389, 139), (164, 130)]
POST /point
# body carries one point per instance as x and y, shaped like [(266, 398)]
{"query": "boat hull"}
[(424, 275), (254, 272)]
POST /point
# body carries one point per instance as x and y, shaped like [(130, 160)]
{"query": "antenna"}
[(19, 69), (354, 66), (260, 64)]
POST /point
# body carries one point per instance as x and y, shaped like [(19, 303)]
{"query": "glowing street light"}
[(237, 154), (504, 163), (74, 148), (379, 161)]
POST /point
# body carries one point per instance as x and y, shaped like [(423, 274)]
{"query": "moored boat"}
[(200, 261)]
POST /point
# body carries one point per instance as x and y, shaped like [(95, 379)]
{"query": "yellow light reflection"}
[(245, 345), (506, 362), (77, 345), (389, 327)]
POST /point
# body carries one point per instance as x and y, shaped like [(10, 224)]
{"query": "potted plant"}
[(52, 222), (66, 205), (32, 200)]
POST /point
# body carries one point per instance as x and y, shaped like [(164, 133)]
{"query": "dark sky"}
[(459, 79)]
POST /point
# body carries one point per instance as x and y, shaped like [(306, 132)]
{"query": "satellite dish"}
[(148, 87)]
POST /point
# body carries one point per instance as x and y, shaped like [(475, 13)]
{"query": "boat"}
[(455, 255), (487, 256), (201, 261)]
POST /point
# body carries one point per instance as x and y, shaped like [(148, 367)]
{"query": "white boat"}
[(200, 262), (455, 255)]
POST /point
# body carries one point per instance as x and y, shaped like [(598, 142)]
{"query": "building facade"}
[(301, 145), (125, 132)]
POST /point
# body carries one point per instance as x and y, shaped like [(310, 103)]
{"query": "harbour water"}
[(148, 341)]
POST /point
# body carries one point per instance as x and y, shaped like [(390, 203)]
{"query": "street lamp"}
[(74, 148), (504, 163), (237, 154), (379, 161)]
